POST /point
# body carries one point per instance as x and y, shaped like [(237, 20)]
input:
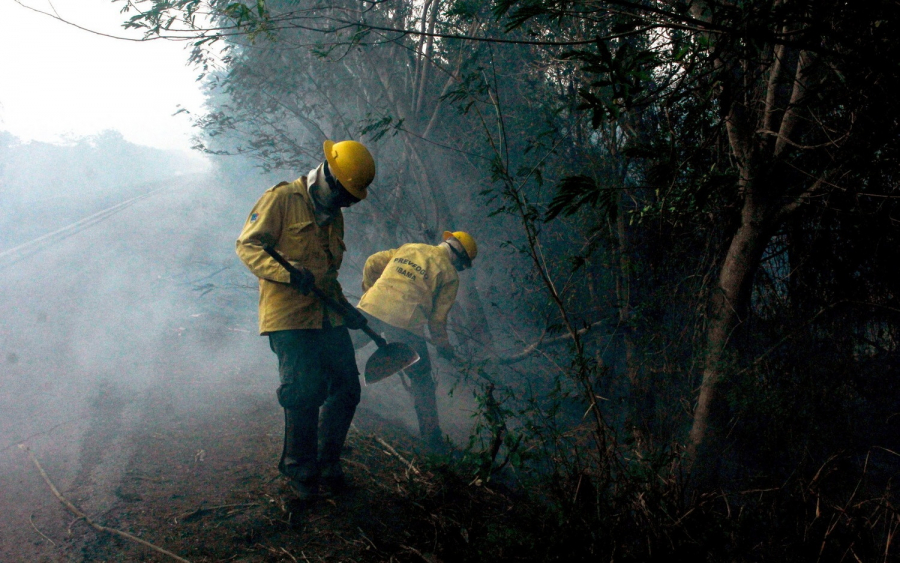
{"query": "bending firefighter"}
[(303, 221), (407, 288)]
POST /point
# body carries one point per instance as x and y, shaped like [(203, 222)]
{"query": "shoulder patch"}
[(254, 217)]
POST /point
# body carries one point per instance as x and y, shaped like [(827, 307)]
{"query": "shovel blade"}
[(388, 360)]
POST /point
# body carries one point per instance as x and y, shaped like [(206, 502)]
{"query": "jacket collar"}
[(323, 215)]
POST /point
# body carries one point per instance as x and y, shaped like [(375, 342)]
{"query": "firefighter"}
[(407, 288), (303, 221)]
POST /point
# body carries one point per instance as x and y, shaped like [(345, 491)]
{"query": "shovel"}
[(387, 360)]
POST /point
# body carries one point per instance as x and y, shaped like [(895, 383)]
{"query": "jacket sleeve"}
[(375, 265), (444, 298), (263, 227)]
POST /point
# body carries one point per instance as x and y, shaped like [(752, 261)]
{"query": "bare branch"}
[(532, 348), (789, 120), (74, 510)]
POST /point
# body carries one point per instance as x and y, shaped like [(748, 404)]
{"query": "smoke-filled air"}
[(464, 281)]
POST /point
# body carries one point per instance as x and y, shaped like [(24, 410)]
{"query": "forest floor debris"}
[(234, 506)]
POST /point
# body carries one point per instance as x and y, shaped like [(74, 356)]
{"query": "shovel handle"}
[(336, 306), (379, 341)]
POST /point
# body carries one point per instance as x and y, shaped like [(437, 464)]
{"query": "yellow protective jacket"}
[(283, 216), (410, 286)]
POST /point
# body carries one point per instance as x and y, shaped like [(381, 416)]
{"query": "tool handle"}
[(336, 306), (379, 341)]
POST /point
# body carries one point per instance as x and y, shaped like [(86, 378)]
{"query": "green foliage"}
[(623, 78), (574, 192), (376, 128), (463, 9)]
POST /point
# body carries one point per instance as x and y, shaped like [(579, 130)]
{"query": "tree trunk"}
[(729, 304)]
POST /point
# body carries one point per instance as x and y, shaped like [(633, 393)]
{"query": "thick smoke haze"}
[(139, 318)]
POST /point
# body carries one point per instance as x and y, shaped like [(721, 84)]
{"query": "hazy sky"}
[(56, 80)]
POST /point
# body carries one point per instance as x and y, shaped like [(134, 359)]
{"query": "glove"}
[(354, 319), (303, 280)]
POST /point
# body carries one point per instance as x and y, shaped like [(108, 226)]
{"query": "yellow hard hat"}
[(466, 240), (352, 164)]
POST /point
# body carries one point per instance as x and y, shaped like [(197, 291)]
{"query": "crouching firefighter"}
[(302, 220), (405, 289)]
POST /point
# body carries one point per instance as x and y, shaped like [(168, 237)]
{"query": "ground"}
[(187, 461), (204, 485), (208, 490)]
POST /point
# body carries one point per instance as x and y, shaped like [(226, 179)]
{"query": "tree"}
[(801, 92)]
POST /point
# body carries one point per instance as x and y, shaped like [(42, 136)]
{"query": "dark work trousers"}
[(318, 371), (424, 389)]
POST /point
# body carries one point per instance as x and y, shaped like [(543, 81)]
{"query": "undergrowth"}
[(837, 514)]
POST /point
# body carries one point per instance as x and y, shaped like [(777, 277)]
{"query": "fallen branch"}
[(202, 511), (31, 521), (417, 552), (74, 510), (357, 464), (365, 537), (141, 477), (392, 451), (533, 347), (72, 523)]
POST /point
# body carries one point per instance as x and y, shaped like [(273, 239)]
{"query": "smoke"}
[(141, 317), (131, 320)]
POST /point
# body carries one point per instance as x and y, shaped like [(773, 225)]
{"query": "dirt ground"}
[(207, 489), (204, 485)]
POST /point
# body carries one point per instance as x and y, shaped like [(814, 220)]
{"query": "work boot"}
[(333, 479), (306, 491)]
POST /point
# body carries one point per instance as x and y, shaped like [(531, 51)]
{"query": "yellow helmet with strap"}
[(352, 164), (467, 242)]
